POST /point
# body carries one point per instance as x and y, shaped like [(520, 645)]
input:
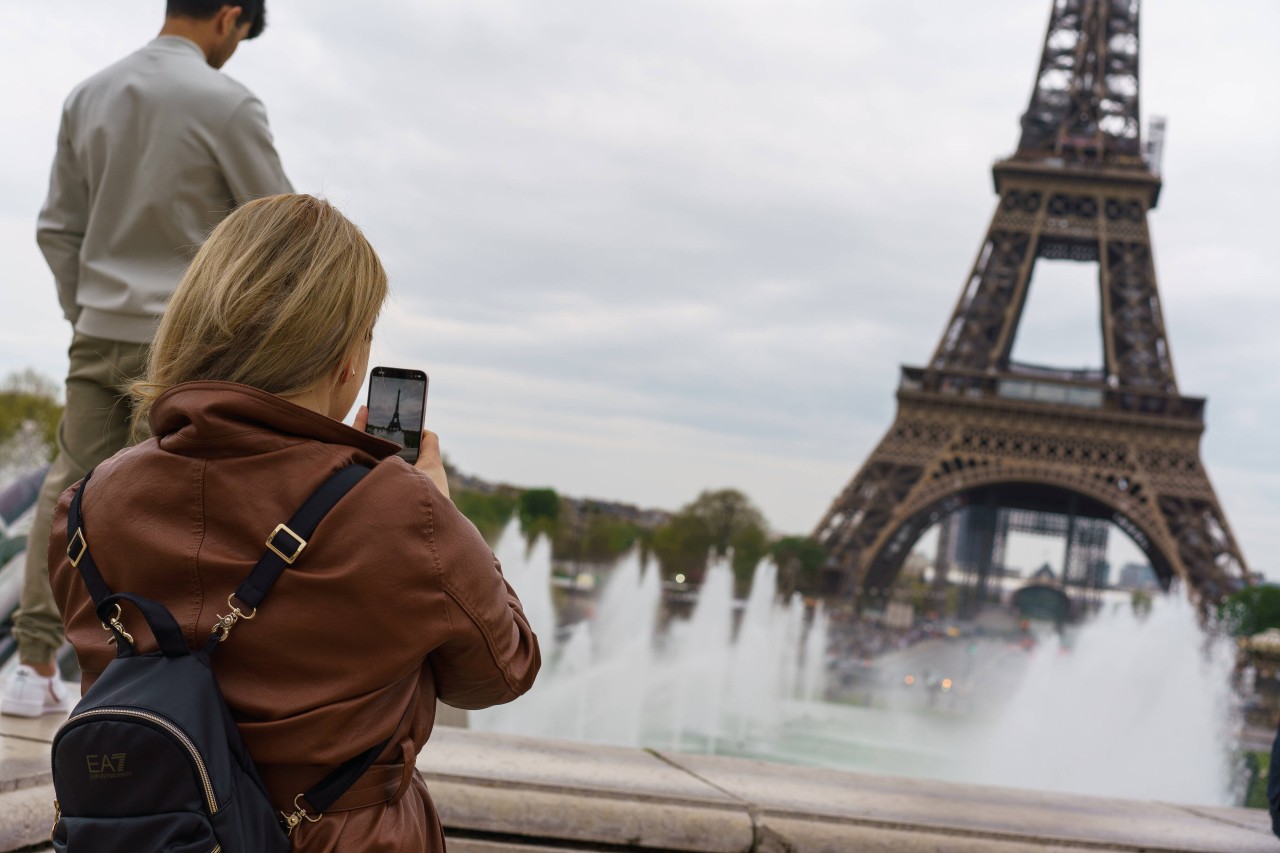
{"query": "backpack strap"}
[(107, 604), (326, 792), (78, 548), (287, 541), (161, 622), (322, 795), (284, 546)]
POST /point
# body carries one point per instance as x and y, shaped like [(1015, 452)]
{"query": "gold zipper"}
[(57, 816), (172, 729)]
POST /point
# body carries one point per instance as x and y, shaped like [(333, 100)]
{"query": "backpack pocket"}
[(172, 832)]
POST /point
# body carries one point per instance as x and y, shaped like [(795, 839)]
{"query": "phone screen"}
[(397, 398)]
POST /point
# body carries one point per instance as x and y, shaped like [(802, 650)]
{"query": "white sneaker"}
[(27, 693)]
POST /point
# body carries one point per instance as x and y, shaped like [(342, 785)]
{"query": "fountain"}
[(1132, 706), (1138, 707), (614, 679)]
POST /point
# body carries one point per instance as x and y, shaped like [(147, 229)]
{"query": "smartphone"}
[(397, 401)]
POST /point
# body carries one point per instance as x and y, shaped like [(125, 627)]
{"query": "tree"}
[(596, 538), (728, 514), (681, 546), (539, 511), (29, 409), (799, 560), (750, 545), (715, 522), (488, 512), (1251, 610)]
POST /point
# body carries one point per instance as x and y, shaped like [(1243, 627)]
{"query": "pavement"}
[(26, 795)]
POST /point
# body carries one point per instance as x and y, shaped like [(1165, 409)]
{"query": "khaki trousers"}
[(95, 425)]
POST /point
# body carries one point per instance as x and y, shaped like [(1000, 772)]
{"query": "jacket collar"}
[(217, 419)]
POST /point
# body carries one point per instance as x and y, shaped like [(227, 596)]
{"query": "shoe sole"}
[(24, 709)]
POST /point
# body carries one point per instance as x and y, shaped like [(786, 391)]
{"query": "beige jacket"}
[(153, 152), (396, 600)]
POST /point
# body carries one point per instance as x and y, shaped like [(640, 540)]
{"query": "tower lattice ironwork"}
[(976, 429), (394, 425)]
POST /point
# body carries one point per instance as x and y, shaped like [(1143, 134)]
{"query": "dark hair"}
[(254, 12)]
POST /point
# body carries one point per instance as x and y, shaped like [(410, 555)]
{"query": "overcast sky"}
[(649, 248)]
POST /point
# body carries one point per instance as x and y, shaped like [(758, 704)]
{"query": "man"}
[(152, 153)]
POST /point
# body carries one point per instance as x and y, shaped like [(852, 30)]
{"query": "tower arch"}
[(1053, 494)]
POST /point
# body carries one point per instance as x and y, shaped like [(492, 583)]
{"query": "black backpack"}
[(150, 759)]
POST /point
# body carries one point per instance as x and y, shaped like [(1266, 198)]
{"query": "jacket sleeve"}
[(248, 157), (491, 654), (60, 228)]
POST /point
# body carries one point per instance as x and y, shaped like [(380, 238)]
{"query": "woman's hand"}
[(429, 460)]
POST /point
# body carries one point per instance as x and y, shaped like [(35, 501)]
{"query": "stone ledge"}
[(26, 817), (547, 793), (558, 792), (24, 751), (848, 809), (506, 794)]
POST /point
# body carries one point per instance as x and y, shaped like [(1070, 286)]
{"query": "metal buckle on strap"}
[(118, 626), (298, 542), (78, 538), (292, 820), (226, 623)]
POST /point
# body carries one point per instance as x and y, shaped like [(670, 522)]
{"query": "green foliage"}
[(29, 402), (539, 511), (715, 522), (728, 514), (588, 536), (488, 512), (681, 546), (600, 539), (1259, 764), (1251, 611), (750, 545), (539, 504), (799, 560)]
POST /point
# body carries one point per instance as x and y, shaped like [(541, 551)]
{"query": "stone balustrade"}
[(507, 794)]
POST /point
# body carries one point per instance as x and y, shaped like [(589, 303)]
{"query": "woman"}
[(397, 600)]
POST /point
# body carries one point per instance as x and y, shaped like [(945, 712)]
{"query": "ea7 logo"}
[(105, 763)]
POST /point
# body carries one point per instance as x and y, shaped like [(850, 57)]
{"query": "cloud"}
[(644, 249)]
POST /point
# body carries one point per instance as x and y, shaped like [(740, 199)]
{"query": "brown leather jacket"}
[(395, 602)]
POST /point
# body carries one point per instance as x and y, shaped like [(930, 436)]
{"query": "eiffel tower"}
[(394, 425), (975, 429)]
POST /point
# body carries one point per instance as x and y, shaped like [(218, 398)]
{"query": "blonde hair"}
[(283, 290)]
